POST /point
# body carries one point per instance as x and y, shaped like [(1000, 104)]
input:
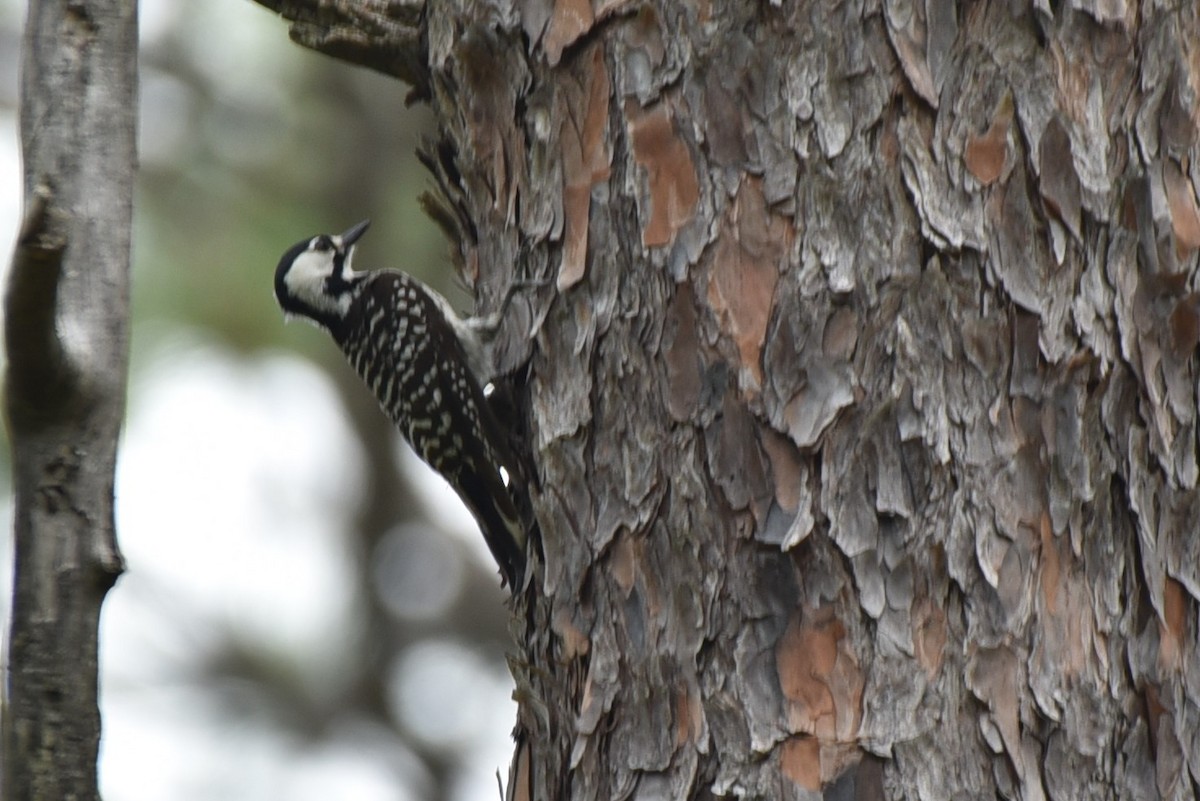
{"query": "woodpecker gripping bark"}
[(426, 367)]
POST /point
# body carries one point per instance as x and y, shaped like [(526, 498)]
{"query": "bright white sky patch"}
[(235, 484), (439, 690), (237, 477), (11, 186)]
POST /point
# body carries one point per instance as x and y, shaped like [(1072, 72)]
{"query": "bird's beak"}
[(351, 236)]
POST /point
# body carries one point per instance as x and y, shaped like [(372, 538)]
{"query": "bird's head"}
[(314, 278)]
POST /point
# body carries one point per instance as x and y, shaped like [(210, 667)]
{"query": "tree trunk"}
[(865, 409), (66, 328)]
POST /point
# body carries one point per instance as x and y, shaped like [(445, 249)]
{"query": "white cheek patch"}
[(306, 282)]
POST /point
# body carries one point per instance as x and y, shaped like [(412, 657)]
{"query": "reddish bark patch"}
[(622, 565), (644, 32), (841, 334), (800, 759), (1181, 200), (523, 782), (568, 22), (689, 716), (785, 469), (586, 159), (497, 143), (929, 636), (589, 705), (1067, 622), (819, 677), (673, 191), (571, 19), (1185, 324), (682, 356), (574, 642), (993, 675), (1173, 627), (986, 155), (1050, 566), (747, 258)]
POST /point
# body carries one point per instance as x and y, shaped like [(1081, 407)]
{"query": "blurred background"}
[(307, 612)]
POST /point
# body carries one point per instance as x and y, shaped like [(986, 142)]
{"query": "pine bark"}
[(66, 332), (864, 400)]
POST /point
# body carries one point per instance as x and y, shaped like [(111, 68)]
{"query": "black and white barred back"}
[(398, 336), (396, 340)]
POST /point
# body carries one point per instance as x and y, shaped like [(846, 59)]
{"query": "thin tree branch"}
[(66, 306)]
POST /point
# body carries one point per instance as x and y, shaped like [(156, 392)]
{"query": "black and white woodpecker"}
[(426, 366)]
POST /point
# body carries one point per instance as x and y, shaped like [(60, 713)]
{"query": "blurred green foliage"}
[(238, 164)]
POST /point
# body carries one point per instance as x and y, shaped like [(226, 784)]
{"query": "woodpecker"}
[(427, 368)]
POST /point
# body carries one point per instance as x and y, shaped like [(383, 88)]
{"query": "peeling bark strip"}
[(586, 157), (866, 413), (65, 396)]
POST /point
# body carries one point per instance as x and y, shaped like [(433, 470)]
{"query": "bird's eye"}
[(322, 243)]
